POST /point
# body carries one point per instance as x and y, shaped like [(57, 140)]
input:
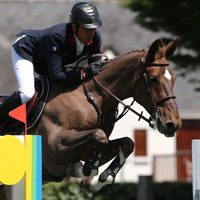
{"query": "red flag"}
[(19, 113)]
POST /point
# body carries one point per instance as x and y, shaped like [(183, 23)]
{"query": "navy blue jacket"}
[(52, 48)]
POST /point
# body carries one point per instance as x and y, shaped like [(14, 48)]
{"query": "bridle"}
[(143, 66), (152, 120)]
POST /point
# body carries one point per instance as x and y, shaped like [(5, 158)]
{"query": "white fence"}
[(196, 169)]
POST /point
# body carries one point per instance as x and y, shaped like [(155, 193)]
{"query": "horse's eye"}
[(154, 79)]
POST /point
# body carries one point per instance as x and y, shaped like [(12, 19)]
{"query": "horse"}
[(76, 124)]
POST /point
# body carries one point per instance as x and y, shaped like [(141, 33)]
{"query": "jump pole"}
[(196, 169)]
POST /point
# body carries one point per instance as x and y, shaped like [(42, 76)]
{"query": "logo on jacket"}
[(54, 48)]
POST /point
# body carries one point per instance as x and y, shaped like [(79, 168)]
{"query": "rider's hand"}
[(93, 69)]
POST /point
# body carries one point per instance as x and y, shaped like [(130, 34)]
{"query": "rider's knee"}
[(27, 96), (100, 137)]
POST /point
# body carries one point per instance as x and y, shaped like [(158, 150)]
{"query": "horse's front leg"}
[(76, 142), (88, 144), (118, 149)]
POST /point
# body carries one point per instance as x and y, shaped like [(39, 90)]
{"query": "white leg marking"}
[(96, 185)]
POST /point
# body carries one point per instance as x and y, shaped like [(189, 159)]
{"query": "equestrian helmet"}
[(86, 15)]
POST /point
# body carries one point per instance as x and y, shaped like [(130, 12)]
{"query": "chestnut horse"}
[(76, 124)]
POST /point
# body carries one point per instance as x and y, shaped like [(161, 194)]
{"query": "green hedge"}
[(128, 191), (172, 191)]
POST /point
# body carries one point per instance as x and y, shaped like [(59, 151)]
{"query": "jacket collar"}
[(70, 36)]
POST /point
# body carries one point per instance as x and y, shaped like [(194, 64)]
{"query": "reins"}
[(91, 56), (141, 116), (143, 64)]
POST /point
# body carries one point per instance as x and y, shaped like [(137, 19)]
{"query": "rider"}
[(50, 50)]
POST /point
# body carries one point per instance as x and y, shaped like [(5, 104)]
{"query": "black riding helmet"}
[(86, 15)]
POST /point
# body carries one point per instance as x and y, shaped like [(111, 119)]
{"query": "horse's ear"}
[(153, 49), (170, 48)]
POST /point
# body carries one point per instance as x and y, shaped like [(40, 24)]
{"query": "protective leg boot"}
[(9, 104)]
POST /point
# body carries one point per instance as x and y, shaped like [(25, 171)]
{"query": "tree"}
[(181, 18)]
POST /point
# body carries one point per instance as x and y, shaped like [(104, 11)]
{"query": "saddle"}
[(34, 108)]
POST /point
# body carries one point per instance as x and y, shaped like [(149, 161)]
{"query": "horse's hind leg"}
[(118, 149)]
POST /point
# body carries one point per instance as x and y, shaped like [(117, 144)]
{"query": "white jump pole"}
[(196, 169)]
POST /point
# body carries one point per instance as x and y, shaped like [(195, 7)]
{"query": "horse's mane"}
[(123, 55)]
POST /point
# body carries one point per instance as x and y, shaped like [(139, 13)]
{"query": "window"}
[(140, 142)]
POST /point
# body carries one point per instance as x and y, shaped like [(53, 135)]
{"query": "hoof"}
[(75, 170), (93, 184)]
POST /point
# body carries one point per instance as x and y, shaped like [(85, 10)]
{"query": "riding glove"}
[(92, 69)]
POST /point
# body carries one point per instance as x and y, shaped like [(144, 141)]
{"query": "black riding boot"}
[(9, 104)]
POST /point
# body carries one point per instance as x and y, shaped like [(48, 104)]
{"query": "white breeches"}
[(24, 72)]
